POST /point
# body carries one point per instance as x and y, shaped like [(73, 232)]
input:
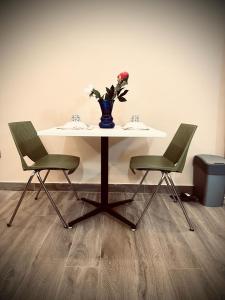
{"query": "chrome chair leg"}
[(52, 201), (152, 197), (170, 190), (46, 175), (21, 199), (68, 179), (180, 202), (139, 186)]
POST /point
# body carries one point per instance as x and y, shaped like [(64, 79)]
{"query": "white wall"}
[(175, 55)]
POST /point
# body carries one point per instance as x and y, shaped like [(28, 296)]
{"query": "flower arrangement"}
[(113, 92)]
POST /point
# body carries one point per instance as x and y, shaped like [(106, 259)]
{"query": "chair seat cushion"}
[(151, 162), (57, 162)]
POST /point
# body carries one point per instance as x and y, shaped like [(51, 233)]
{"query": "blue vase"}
[(106, 118)]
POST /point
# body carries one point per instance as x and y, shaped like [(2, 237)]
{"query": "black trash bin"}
[(209, 179)]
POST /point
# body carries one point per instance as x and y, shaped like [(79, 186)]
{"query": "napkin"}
[(136, 125), (75, 125)]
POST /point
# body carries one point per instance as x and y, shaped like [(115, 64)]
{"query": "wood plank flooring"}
[(102, 258)]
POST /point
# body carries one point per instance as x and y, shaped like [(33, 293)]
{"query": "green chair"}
[(29, 144), (173, 160)]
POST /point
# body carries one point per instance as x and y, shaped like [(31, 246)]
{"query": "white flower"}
[(88, 89)]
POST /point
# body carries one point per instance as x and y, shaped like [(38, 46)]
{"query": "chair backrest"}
[(178, 148), (27, 141)]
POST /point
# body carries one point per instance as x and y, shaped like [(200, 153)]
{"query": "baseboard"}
[(19, 186)]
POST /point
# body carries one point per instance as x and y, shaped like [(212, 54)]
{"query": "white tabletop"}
[(117, 131)]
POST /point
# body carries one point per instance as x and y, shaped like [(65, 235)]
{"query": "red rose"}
[(123, 76)]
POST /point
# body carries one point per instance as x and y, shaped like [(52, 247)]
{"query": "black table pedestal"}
[(104, 205)]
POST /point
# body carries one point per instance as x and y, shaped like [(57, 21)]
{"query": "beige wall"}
[(175, 55)]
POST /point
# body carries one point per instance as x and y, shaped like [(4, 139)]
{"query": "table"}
[(117, 131)]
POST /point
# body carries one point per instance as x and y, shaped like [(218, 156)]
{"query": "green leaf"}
[(124, 93), (122, 99), (110, 93), (119, 91), (96, 94)]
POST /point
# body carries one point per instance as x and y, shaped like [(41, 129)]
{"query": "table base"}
[(108, 208)]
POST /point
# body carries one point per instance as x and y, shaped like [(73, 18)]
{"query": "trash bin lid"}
[(211, 164)]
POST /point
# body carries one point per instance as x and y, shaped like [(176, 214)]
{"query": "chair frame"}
[(42, 186), (171, 187), (23, 133), (178, 159)]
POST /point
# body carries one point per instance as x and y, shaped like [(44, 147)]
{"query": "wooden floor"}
[(103, 259)]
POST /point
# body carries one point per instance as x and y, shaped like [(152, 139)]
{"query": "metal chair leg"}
[(170, 190), (180, 202), (46, 175), (139, 186), (20, 200), (68, 179), (152, 197), (52, 201)]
